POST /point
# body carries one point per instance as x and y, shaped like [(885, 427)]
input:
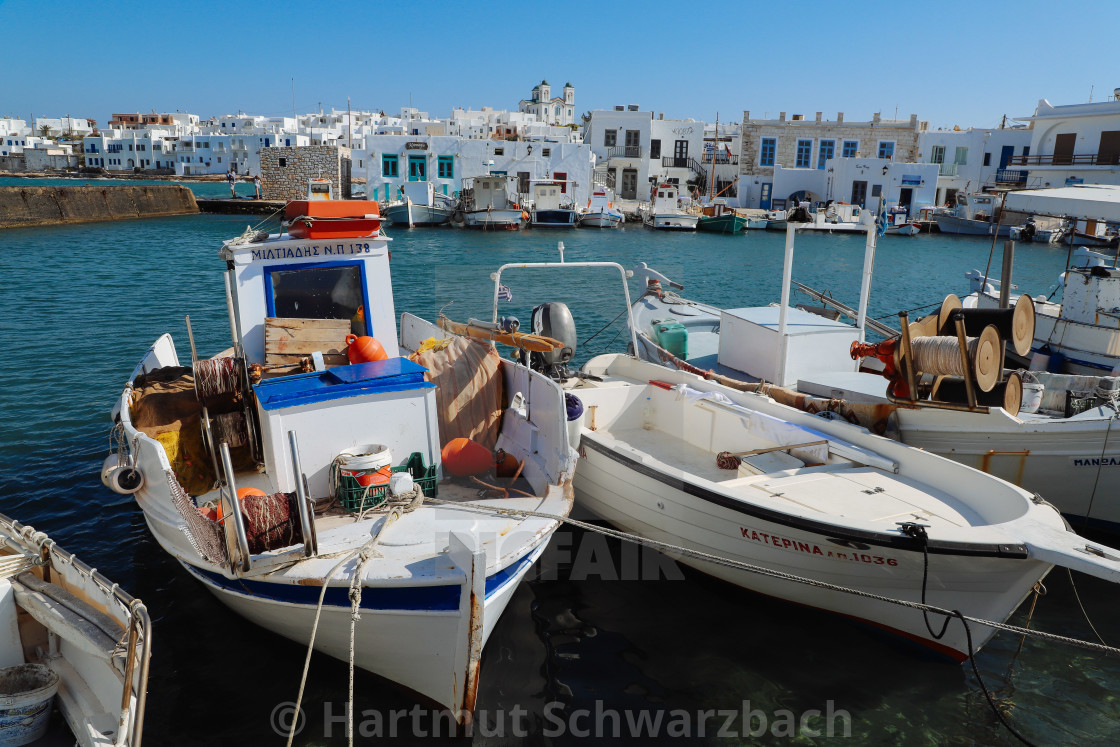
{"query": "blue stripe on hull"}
[(415, 598)]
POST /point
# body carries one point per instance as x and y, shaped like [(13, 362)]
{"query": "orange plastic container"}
[(331, 208)]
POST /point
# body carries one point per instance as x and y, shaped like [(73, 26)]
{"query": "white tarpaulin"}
[(1086, 201)]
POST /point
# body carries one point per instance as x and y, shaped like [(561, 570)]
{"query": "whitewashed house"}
[(866, 182), (392, 160), (975, 159), (127, 149), (54, 127), (1073, 144)]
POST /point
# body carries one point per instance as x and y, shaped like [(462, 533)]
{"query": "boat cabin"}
[(665, 198), (320, 189), (978, 206), (550, 196), (419, 193), (490, 192)]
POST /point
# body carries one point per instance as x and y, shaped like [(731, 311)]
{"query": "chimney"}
[(798, 117), (661, 115), (875, 118), (746, 115), (781, 116), (819, 116), (839, 116)]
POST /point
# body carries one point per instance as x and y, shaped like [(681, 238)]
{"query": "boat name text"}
[(1096, 461), (315, 250), (787, 544)]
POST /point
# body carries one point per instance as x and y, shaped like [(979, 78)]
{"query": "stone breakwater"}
[(47, 206)]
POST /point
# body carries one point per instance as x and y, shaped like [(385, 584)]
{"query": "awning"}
[(1089, 201)]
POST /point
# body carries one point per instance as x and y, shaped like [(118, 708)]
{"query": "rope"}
[(762, 571), (942, 355), (1097, 477), (217, 376), (1083, 612)]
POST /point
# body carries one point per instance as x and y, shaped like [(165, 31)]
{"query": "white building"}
[(858, 181), (53, 127), (554, 110), (975, 159), (388, 161), (1073, 144), (634, 150)]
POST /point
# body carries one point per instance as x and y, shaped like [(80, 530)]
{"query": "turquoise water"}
[(80, 304)]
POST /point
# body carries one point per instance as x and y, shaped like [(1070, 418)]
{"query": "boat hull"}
[(968, 227), (504, 218), (600, 220), (723, 224), (639, 499), (673, 221), (422, 215), (554, 219)]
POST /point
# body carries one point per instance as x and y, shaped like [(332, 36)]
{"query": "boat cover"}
[(1087, 201)]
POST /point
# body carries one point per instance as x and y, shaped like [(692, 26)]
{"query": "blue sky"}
[(952, 63)]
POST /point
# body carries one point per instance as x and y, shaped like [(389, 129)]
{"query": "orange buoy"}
[(364, 349), (505, 465), (242, 493), (463, 457)]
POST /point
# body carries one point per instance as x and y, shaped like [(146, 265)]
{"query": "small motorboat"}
[(420, 205), (601, 212), (664, 211), (552, 205), (71, 638), (487, 203)]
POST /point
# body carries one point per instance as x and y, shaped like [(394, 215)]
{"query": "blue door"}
[(417, 168), (1005, 156), (764, 198)]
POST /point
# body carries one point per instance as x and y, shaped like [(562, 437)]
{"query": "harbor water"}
[(597, 628)]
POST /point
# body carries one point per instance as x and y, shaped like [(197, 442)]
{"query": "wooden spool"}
[(985, 358), (1007, 394), (945, 315), (1016, 325)]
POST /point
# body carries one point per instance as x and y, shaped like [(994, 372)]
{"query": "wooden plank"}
[(274, 322), (304, 347), (280, 359)]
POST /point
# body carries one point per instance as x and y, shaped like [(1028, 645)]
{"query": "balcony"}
[(1067, 159), (624, 151), (947, 169), (1011, 177), (722, 158)]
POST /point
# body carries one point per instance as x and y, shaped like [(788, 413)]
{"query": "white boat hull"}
[(969, 227), (661, 507), (504, 218), (421, 215), (674, 221), (601, 220)]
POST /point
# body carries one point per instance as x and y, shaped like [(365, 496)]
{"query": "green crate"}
[(356, 498)]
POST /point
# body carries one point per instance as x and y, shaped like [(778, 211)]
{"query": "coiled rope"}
[(942, 355)]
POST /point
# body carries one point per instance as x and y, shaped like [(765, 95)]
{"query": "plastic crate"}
[(355, 498)]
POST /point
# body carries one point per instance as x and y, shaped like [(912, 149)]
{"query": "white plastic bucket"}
[(26, 699), (574, 428), (1032, 397), (368, 458)]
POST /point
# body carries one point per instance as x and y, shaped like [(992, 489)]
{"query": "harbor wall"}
[(46, 206)]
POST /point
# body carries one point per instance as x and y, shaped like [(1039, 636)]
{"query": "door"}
[(1005, 154), (905, 197), (633, 143), (629, 184), (562, 179), (859, 194), (523, 184), (764, 195), (680, 153), (417, 168), (1109, 150), (1063, 147)]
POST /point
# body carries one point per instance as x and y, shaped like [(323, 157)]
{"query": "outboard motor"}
[(553, 320)]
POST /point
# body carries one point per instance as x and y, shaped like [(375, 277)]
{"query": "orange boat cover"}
[(331, 208)]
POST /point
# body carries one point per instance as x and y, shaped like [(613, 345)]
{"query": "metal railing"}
[(682, 162), (947, 169), (624, 151), (1011, 176), (1067, 159), (723, 158)]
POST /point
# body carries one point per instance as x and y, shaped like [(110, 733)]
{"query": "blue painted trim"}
[(416, 598), (270, 303), (377, 377)]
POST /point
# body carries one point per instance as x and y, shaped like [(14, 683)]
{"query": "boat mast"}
[(715, 144)]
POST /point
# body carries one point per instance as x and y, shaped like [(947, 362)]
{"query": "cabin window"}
[(610, 137), (546, 152), (851, 147), (766, 151), (804, 153), (445, 167), (827, 150), (317, 293), (886, 149), (389, 166), (499, 151)]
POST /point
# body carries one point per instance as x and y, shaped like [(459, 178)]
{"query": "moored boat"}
[(552, 205), (421, 206), (601, 212), (488, 203), (975, 214), (300, 477), (664, 211), (718, 218)]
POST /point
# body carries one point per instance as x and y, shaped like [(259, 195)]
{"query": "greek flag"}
[(504, 293), (881, 218)]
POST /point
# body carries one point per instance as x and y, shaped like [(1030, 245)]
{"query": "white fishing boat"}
[(488, 203), (552, 205), (601, 212), (1081, 333), (71, 638), (664, 211), (420, 205), (975, 214), (899, 223), (704, 468), (328, 443), (1057, 445), (838, 216)]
